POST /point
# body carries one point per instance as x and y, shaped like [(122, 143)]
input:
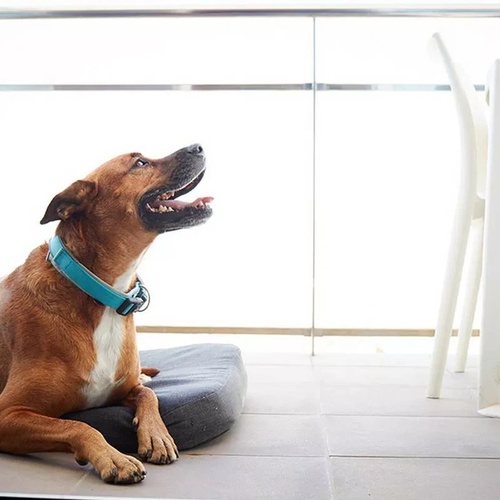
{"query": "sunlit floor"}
[(350, 423)]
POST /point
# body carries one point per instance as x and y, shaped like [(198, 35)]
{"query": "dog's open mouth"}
[(166, 201), (161, 210)]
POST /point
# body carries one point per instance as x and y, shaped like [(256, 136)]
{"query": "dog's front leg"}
[(155, 443), (24, 431)]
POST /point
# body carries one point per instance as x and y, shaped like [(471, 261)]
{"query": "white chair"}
[(488, 400), (467, 230)]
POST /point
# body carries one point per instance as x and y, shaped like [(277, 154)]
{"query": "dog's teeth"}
[(167, 195), (162, 209)]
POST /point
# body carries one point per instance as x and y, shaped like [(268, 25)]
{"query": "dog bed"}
[(201, 390)]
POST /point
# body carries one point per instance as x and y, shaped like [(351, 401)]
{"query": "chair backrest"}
[(473, 125)]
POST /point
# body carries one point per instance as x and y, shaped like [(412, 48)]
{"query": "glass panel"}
[(248, 266), (387, 174), (395, 50), (145, 50)]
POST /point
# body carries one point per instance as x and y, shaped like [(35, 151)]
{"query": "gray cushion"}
[(201, 389)]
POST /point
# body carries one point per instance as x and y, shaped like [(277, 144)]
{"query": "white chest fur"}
[(108, 340)]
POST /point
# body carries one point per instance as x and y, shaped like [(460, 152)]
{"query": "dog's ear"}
[(72, 200)]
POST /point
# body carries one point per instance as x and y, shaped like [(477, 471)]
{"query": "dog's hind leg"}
[(147, 374), (25, 431), (156, 445)]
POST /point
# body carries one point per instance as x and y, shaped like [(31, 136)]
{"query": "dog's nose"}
[(195, 149)]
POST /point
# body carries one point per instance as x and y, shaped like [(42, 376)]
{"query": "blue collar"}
[(124, 303)]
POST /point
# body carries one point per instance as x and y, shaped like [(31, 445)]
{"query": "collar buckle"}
[(137, 303)]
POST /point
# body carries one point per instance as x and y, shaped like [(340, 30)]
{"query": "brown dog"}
[(60, 349)]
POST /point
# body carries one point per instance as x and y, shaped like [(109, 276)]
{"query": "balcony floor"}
[(339, 425)]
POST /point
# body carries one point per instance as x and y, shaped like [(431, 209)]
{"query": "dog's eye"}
[(141, 163)]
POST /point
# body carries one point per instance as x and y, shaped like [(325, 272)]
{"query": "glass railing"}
[(331, 142)]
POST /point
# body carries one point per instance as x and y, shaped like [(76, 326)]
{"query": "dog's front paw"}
[(156, 445), (116, 468)]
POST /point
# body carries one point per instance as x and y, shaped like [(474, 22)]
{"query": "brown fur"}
[(47, 325)]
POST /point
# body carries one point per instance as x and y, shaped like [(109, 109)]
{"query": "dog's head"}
[(140, 190)]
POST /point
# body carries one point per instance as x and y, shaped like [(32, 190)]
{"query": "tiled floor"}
[(335, 426)]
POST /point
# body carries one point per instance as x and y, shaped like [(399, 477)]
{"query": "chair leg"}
[(449, 294), (471, 291)]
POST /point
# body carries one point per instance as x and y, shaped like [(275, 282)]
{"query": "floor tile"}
[(278, 374), (397, 401), (383, 375), (414, 479), (441, 437), (277, 358), (270, 435), (42, 473), (383, 359), (370, 359), (225, 478), (290, 399)]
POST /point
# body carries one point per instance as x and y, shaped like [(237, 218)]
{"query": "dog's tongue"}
[(179, 205)]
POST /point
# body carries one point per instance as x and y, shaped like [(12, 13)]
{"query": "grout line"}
[(241, 455), (350, 415), (282, 414), (324, 437), (411, 457), (399, 416), (82, 479)]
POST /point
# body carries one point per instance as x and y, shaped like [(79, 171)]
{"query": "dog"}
[(63, 349)]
